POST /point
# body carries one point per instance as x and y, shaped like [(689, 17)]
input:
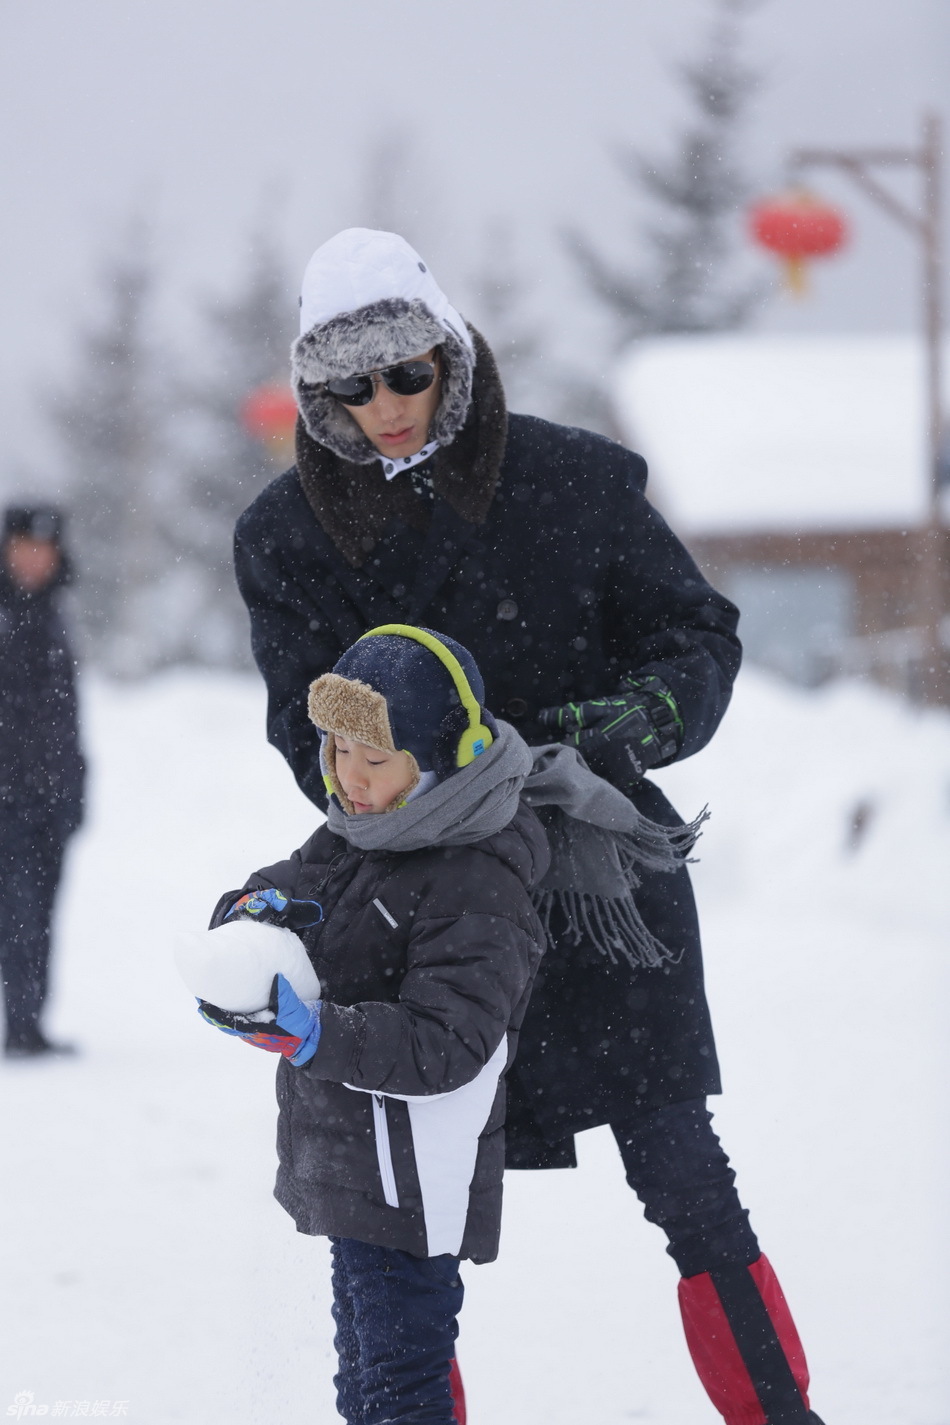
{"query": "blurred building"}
[(795, 469)]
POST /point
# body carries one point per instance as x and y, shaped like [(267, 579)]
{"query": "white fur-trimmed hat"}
[(368, 301)]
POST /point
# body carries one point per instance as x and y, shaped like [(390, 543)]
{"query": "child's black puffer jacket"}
[(394, 1132)]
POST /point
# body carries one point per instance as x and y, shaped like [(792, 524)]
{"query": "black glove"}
[(622, 737)]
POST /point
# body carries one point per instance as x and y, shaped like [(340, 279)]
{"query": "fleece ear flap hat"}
[(367, 302), (348, 707), (392, 692)]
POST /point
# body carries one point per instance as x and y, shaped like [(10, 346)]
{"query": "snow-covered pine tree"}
[(398, 193), (687, 283), (536, 380), (217, 467), (107, 418)]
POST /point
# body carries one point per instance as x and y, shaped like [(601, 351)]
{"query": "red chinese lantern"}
[(798, 226), (269, 414)]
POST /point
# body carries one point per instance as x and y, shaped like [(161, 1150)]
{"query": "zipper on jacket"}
[(384, 1152), (325, 878)]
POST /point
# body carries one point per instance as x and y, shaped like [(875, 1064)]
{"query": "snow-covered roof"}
[(773, 434)]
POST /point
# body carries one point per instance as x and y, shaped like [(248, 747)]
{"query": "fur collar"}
[(354, 504)]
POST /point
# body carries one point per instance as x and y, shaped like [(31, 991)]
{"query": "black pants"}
[(677, 1168), (31, 860)]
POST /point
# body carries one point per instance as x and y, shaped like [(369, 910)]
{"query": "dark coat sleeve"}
[(292, 638), (465, 978), (663, 618)]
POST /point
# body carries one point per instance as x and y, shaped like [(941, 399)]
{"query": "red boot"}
[(744, 1346)]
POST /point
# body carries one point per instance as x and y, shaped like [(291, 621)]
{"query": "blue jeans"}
[(675, 1165), (396, 1326)]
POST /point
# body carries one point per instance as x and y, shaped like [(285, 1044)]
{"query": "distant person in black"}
[(41, 766)]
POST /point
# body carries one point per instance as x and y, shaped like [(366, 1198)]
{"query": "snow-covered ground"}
[(145, 1269)]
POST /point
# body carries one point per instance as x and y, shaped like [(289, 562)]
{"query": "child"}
[(391, 1093)]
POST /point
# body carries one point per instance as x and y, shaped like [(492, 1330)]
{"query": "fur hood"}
[(368, 301)]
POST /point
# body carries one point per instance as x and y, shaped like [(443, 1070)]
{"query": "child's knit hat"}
[(392, 692)]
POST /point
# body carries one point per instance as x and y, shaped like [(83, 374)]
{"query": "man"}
[(41, 767), (415, 498)]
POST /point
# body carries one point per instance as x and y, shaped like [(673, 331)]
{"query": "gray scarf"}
[(472, 804), (599, 841)]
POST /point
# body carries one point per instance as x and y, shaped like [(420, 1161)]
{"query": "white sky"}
[(204, 116)]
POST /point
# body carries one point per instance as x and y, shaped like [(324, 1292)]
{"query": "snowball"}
[(234, 966)]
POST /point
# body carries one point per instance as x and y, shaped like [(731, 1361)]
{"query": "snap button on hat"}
[(516, 707), (507, 610)]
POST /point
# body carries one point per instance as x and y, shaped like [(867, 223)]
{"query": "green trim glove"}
[(622, 737)]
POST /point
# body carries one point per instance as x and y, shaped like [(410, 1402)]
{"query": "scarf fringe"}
[(614, 927), (658, 848), (613, 924)]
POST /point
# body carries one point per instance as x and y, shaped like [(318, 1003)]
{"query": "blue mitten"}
[(289, 1025)]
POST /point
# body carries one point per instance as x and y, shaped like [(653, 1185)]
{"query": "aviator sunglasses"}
[(406, 378)]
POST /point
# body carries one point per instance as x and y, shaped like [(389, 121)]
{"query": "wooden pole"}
[(930, 582), (935, 686)]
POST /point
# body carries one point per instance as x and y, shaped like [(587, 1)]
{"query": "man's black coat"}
[(542, 556)]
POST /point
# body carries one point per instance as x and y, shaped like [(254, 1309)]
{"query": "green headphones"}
[(473, 739)]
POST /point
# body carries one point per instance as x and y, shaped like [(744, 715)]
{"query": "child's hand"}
[(289, 1026), (273, 907)]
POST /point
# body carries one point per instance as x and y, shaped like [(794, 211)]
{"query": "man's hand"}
[(621, 737), (289, 1025)]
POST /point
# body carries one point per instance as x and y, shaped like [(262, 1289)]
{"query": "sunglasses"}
[(406, 378)]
